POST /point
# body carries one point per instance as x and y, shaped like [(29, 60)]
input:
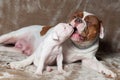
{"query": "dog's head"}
[(86, 27)]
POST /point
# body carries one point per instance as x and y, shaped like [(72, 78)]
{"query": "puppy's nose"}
[(78, 20)]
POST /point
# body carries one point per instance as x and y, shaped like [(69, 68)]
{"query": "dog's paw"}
[(15, 65), (108, 73)]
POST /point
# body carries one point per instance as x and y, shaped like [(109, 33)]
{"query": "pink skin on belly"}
[(24, 46)]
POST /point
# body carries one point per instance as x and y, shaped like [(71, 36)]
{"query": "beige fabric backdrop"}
[(15, 14)]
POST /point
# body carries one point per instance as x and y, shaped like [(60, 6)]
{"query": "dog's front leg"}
[(94, 64)]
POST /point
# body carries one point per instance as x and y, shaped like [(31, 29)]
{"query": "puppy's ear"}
[(55, 36), (101, 31)]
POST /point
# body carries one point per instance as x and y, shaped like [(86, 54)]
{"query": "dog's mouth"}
[(76, 36), (79, 27)]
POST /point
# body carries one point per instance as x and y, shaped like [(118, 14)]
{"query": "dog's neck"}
[(86, 44)]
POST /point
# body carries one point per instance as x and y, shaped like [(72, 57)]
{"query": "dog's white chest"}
[(72, 53)]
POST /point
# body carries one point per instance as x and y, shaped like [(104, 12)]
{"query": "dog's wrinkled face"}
[(86, 27)]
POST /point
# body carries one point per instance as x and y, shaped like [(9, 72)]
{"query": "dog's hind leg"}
[(12, 36), (20, 41), (10, 49), (5, 38)]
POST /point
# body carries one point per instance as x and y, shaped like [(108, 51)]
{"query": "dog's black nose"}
[(78, 20)]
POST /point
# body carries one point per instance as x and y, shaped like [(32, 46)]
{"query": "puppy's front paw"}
[(39, 73), (108, 73), (61, 71), (15, 65)]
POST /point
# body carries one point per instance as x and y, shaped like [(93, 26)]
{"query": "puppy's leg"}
[(22, 64), (44, 55), (60, 61), (41, 65), (93, 63)]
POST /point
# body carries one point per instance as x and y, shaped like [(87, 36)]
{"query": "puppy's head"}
[(86, 27), (62, 31)]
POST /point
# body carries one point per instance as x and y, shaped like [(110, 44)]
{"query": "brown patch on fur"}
[(93, 27), (77, 14), (44, 30)]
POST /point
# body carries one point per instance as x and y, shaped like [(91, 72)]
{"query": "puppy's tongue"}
[(76, 35)]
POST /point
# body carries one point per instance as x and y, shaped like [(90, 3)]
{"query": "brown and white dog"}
[(82, 45)]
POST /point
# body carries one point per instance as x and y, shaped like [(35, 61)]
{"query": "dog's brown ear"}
[(101, 31)]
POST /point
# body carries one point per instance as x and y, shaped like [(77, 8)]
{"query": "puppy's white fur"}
[(49, 50)]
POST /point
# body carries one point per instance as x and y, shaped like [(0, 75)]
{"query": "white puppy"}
[(49, 50)]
